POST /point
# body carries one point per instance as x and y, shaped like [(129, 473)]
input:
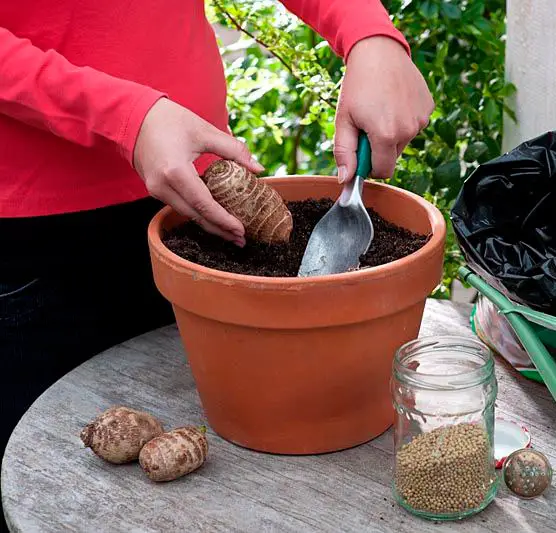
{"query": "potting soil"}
[(191, 242)]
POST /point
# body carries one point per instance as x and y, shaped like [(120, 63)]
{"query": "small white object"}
[(509, 437)]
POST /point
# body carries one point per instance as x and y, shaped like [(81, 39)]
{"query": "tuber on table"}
[(118, 434), (174, 454), (260, 209)]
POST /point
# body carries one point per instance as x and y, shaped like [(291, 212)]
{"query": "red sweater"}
[(78, 76)]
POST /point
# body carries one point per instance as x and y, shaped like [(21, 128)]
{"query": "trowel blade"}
[(323, 257)]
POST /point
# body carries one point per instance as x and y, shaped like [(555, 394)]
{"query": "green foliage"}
[(283, 93)]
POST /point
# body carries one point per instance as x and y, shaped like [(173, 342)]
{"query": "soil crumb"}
[(191, 242)]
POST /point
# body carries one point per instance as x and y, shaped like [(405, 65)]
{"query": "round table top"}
[(51, 483)]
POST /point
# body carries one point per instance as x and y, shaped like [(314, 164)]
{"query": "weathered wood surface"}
[(50, 483)]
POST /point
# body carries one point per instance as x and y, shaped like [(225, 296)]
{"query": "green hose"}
[(541, 358)]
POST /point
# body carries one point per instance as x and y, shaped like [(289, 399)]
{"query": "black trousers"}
[(71, 286)]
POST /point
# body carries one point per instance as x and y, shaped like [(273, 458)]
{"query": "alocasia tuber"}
[(174, 454), (255, 204), (119, 434)]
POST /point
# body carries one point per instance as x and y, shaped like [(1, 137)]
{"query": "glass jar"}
[(443, 390)]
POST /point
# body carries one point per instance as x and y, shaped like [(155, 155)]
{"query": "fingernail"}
[(257, 165), (240, 242), (342, 174)]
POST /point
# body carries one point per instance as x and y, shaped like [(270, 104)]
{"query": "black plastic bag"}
[(505, 221)]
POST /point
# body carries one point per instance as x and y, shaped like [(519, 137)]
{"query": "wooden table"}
[(50, 483)]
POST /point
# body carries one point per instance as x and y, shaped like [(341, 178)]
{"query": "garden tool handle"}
[(353, 189), (364, 154), (541, 357)]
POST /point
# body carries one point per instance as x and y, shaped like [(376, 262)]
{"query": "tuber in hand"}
[(255, 204), (174, 454), (119, 434)]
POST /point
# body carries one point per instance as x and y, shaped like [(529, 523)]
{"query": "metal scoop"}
[(345, 233)]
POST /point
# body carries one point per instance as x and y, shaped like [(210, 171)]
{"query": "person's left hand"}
[(384, 94)]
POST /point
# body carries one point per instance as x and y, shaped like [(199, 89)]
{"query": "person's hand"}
[(383, 94), (171, 138)]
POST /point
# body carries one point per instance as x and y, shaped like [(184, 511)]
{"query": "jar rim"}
[(455, 380)]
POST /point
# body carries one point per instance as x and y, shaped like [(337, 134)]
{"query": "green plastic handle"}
[(543, 361), (364, 166)]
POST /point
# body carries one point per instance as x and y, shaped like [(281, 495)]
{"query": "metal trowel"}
[(346, 231)]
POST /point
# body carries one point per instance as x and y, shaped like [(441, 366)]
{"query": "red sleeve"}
[(79, 104), (345, 22)]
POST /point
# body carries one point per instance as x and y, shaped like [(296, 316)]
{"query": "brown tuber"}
[(174, 454), (260, 209), (119, 434)]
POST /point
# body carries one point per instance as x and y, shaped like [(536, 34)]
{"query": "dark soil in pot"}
[(192, 243)]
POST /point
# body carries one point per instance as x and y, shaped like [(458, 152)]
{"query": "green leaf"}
[(419, 184), (491, 113), (277, 134), (454, 116), (418, 143), (483, 25), (451, 11), (475, 151), (448, 172), (441, 54), (448, 176), (446, 131), (429, 9), (508, 90), (474, 10), (494, 148)]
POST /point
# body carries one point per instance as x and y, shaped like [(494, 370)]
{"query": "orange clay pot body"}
[(301, 365)]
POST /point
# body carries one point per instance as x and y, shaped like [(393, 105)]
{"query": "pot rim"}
[(438, 228)]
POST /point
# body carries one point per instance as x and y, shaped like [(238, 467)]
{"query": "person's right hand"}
[(171, 138)]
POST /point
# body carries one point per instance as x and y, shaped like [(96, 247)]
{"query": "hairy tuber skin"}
[(260, 209), (119, 434), (174, 454)]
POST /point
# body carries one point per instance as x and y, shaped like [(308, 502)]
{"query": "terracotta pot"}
[(301, 365)]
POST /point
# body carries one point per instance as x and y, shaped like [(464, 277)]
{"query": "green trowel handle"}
[(364, 166)]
